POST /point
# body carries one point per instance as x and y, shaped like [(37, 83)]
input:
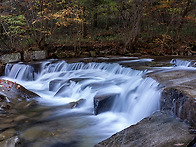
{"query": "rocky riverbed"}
[(173, 125)]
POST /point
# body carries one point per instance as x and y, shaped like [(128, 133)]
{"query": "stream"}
[(61, 83)]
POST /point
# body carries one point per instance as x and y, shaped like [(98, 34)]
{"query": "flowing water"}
[(60, 83)]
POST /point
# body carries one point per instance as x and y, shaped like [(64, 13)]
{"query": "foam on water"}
[(59, 83), (179, 62)]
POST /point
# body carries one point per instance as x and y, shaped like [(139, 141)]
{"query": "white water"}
[(179, 62), (59, 83)]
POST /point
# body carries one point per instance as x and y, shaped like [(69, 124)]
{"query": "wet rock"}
[(1, 69), (7, 134), (35, 55), (159, 130), (179, 93), (77, 80), (13, 90), (33, 133), (20, 118), (6, 125), (180, 104), (24, 105), (11, 142), (64, 144), (50, 133), (103, 103), (71, 105), (15, 57), (77, 103), (13, 101), (56, 84), (64, 90), (193, 63)]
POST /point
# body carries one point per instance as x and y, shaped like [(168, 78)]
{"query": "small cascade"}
[(32, 71), (179, 62), (22, 71), (71, 82), (139, 99), (59, 83)]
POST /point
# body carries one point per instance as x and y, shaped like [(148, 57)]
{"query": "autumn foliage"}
[(150, 27)]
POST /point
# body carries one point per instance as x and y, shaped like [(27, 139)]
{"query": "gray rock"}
[(6, 125), (179, 104), (103, 103), (159, 130), (33, 133), (54, 85), (35, 55), (14, 57), (13, 90), (179, 93), (1, 69)]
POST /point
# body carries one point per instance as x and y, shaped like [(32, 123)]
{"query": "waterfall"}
[(179, 62), (24, 71), (59, 83)]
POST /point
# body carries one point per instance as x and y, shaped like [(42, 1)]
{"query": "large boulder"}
[(181, 105), (14, 57), (103, 103), (158, 130), (35, 55), (13, 90), (14, 97), (179, 93)]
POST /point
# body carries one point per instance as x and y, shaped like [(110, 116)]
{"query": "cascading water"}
[(59, 83), (179, 62)]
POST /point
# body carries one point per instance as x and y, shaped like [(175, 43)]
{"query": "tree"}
[(136, 26), (37, 19), (188, 6)]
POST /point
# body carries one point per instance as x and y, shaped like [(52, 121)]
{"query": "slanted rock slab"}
[(158, 130), (13, 90), (179, 94)]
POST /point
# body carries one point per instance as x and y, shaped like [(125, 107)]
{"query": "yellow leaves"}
[(166, 37), (67, 16)]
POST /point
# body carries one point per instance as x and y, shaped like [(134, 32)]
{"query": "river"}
[(60, 83)]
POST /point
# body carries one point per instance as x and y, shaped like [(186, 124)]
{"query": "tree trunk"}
[(95, 19), (136, 27), (189, 6), (108, 18), (84, 33)]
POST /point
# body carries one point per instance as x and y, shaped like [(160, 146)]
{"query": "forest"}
[(106, 27)]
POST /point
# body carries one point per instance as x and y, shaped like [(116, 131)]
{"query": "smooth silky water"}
[(59, 83)]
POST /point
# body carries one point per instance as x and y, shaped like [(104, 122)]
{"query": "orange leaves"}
[(190, 18)]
